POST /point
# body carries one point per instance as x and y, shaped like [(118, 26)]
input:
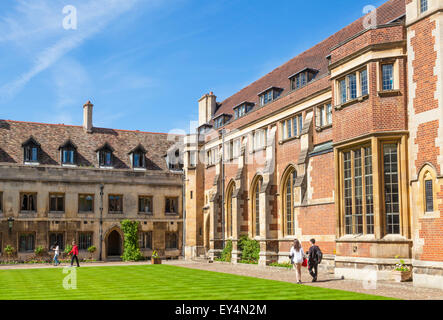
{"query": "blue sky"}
[(145, 63)]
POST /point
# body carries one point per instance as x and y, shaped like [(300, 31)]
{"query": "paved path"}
[(326, 280)]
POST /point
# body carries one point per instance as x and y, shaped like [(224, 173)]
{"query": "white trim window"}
[(423, 6), (212, 156), (292, 127), (324, 115), (236, 148), (259, 139)]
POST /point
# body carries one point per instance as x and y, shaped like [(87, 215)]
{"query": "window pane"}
[(388, 76), (429, 196), (358, 190), (347, 191), (329, 113), (391, 188), (364, 82), (369, 202), (343, 94), (352, 83), (423, 6)]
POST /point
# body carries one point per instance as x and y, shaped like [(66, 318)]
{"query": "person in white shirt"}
[(56, 249), (297, 256)]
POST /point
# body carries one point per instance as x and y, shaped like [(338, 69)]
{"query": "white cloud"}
[(39, 25)]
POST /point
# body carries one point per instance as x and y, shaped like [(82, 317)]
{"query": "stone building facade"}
[(343, 144), (64, 183)]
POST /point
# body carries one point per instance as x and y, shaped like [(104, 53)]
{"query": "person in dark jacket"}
[(314, 255)]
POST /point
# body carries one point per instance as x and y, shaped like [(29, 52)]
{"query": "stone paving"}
[(325, 280)]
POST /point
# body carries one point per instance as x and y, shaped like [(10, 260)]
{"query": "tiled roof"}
[(51, 137), (314, 58)]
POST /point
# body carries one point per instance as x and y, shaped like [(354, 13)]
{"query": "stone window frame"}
[(27, 233), (93, 202), (259, 139), (22, 194), (177, 209), (428, 173), (167, 241), (63, 244), (376, 141), (359, 96), (109, 202), (322, 121), (230, 190), (298, 120), (145, 196), (256, 185), (395, 75), (288, 175), (57, 194), (88, 243), (143, 238)]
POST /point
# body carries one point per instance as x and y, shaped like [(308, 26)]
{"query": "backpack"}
[(319, 255)]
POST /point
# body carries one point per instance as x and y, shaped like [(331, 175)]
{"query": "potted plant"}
[(9, 250), (402, 273), (155, 259), (91, 250)]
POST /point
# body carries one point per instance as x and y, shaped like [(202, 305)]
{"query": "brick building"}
[(343, 144), (65, 183)]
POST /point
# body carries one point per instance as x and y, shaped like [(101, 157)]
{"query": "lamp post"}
[(101, 222), (10, 223)]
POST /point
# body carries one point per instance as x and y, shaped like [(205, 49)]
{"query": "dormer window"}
[(105, 156), (302, 78), (221, 120), (242, 109), (31, 151), (137, 156), (68, 153), (269, 95)]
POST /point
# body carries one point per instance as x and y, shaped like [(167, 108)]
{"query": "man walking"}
[(74, 252), (314, 258)]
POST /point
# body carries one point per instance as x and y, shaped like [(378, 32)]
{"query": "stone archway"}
[(114, 244)]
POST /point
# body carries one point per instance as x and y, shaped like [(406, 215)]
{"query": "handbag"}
[(305, 262)]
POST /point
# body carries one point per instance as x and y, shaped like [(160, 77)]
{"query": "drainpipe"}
[(184, 212), (101, 223)]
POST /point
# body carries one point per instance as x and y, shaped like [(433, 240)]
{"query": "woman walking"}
[(56, 249), (297, 257)]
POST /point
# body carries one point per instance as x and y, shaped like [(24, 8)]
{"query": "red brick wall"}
[(322, 176)]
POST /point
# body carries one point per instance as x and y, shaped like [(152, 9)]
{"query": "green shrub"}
[(39, 251), (281, 265), (227, 252), (9, 250), (68, 248), (92, 249), (131, 251), (250, 249)]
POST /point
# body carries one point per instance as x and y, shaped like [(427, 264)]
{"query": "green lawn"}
[(155, 282)]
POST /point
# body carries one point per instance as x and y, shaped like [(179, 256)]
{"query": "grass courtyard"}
[(156, 282)]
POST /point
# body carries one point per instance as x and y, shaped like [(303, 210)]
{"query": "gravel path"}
[(326, 280)]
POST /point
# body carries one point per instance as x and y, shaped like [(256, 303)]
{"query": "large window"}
[(230, 195), (171, 205), (292, 127), (423, 6), (85, 203), (391, 186), (56, 202), (171, 240), (145, 204), (289, 200), (26, 242), (115, 204), (387, 76), (236, 148), (28, 202), (357, 191), (56, 237), (256, 206), (212, 157), (84, 240), (145, 240), (352, 86)]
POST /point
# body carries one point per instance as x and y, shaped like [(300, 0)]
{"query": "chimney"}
[(87, 116), (206, 106)]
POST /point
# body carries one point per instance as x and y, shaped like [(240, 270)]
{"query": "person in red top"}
[(74, 253)]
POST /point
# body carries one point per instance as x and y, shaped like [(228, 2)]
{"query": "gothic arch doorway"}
[(114, 244)]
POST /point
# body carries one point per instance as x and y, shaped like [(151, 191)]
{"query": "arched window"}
[(289, 199), (256, 206), (229, 197)]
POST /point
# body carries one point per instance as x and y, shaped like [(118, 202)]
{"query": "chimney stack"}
[(87, 116), (206, 105)]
